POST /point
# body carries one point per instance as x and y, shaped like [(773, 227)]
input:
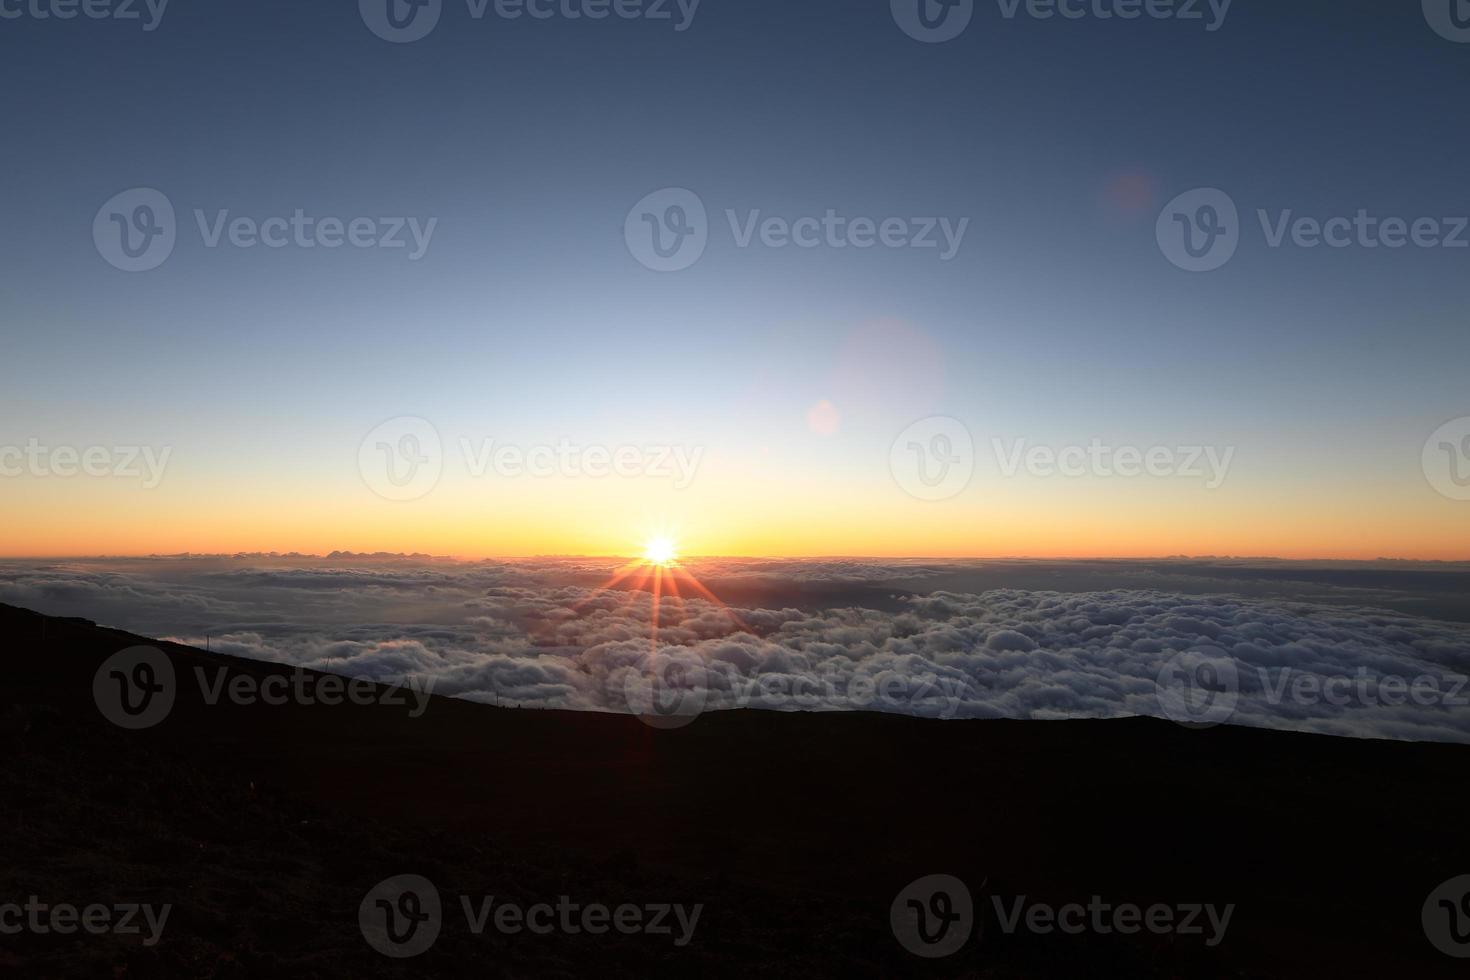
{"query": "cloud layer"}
[(542, 634)]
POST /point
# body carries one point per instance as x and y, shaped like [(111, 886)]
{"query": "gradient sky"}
[(528, 321)]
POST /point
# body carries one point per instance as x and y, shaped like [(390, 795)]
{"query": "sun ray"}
[(698, 586), (658, 581), (659, 573), (672, 583), (617, 576)]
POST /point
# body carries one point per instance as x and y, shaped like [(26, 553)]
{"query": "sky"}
[(1306, 402)]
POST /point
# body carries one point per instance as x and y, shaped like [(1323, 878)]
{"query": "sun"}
[(660, 551)]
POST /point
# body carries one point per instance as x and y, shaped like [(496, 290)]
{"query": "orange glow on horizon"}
[(739, 515)]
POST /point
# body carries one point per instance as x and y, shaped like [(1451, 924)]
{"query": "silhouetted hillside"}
[(266, 826)]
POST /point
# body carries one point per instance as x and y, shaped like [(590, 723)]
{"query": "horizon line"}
[(345, 554)]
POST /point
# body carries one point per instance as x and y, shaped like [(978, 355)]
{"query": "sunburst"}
[(660, 573), (661, 551)]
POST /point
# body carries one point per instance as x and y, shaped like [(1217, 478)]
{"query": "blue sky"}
[(530, 140)]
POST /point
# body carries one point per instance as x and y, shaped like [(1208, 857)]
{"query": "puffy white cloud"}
[(543, 634)]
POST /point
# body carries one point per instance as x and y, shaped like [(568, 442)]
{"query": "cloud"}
[(542, 633)]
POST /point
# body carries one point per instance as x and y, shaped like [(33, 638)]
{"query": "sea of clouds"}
[(543, 633)]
